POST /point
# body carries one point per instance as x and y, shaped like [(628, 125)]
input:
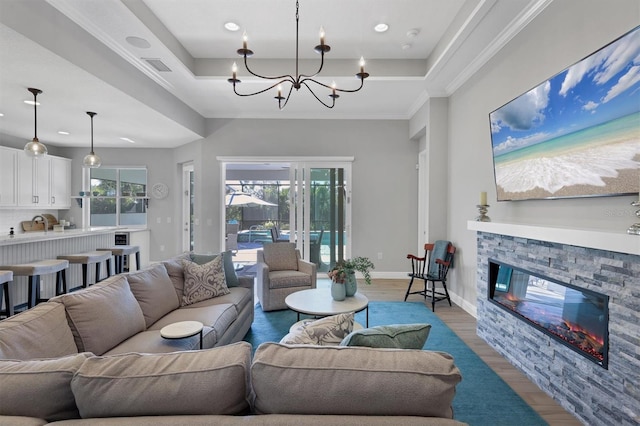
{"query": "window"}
[(119, 197)]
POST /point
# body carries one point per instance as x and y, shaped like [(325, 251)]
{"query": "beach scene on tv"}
[(575, 135)]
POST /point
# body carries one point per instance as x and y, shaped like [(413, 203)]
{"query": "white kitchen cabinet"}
[(60, 183), (8, 181), (34, 176), (34, 182)]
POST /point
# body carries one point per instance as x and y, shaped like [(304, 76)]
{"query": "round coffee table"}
[(182, 329), (318, 302)]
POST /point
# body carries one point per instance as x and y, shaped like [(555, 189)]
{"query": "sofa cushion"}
[(151, 341), (40, 332), (229, 269), (154, 292), (326, 331), (218, 316), (346, 380), (402, 336), (212, 381), (39, 388), (287, 279), (175, 272), (202, 282), (281, 256), (103, 315)]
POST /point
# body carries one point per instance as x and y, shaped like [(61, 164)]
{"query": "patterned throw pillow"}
[(202, 282), (327, 331)]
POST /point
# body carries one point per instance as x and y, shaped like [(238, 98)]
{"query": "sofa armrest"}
[(245, 281)]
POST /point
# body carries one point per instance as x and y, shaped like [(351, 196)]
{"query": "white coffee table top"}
[(318, 301), (179, 330)]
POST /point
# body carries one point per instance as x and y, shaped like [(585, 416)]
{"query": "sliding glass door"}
[(321, 215), (307, 201)]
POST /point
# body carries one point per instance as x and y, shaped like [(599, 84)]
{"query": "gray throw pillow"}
[(401, 336), (202, 282)]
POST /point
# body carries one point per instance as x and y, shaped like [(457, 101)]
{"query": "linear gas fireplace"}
[(574, 316)]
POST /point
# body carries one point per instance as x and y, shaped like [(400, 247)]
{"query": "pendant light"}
[(91, 160), (35, 148)]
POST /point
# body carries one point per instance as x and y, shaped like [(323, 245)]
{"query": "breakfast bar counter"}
[(34, 246)]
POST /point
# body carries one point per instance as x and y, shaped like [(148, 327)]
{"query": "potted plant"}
[(344, 273)]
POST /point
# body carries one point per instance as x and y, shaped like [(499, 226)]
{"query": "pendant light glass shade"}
[(35, 148), (91, 160)]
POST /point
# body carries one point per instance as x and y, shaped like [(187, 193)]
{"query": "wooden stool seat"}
[(6, 277), (89, 258), (34, 270), (120, 251)]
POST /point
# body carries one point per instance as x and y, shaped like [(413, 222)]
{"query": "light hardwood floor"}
[(464, 325)]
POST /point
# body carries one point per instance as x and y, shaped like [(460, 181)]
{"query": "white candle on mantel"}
[(483, 198)]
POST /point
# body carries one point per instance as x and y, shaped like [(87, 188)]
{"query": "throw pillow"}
[(402, 336), (202, 282), (329, 331), (229, 269)]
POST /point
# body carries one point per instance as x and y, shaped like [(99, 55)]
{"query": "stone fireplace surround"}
[(596, 396)]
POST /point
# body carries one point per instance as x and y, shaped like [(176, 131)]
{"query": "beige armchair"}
[(280, 272)]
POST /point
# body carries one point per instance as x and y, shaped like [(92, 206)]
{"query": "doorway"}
[(309, 202), (187, 206)]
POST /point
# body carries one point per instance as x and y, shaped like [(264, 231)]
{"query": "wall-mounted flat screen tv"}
[(576, 134)]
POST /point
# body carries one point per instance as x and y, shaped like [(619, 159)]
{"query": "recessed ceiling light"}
[(138, 42), (62, 132), (231, 26), (413, 32), (380, 28), (28, 102), (406, 46), (128, 140), (1, 114)]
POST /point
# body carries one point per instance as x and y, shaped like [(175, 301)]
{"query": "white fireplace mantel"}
[(603, 240)]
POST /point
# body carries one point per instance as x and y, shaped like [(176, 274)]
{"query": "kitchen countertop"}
[(30, 237)]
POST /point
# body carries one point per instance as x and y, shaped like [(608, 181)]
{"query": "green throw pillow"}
[(402, 336), (229, 270)]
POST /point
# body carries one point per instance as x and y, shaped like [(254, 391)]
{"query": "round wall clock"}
[(160, 190)]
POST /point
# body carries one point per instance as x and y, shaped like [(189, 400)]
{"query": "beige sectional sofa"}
[(95, 357), (282, 385), (125, 313)]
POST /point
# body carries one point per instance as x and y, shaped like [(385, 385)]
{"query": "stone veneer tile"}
[(595, 395)]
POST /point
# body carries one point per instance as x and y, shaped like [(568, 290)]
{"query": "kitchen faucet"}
[(44, 219)]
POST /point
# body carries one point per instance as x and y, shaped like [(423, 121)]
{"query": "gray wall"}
[(384, 175), (565, 32)]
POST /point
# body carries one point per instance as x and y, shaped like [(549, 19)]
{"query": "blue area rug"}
[(482, 398)]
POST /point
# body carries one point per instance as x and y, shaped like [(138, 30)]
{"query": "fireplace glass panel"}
[(576, 317)]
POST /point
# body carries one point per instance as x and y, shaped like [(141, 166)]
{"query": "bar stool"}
[(119, 252), (34, 270), (86, 259), (6, 277)]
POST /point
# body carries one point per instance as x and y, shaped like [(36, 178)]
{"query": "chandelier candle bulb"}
[(361, 64), (483, 198), (244, 40), (321, 36)]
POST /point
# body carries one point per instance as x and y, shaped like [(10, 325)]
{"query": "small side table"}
[(182, 329)]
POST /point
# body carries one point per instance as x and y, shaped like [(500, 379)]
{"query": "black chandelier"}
[(300, 79)]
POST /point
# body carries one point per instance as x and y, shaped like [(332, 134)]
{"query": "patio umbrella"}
[(245, 200)]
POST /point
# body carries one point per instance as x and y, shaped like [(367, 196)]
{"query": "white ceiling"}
[(76, 52)]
